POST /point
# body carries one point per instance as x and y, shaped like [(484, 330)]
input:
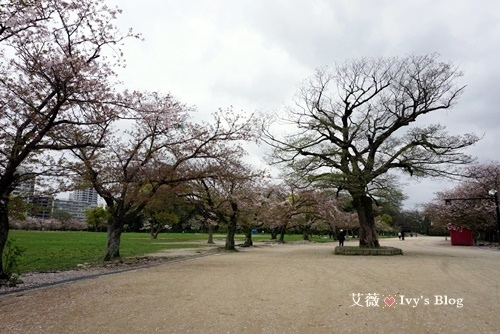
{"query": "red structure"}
[(460, 235)]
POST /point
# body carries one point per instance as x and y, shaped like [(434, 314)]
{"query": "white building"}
[(86, 195), (74, 208), (79, 201), (25, 188)]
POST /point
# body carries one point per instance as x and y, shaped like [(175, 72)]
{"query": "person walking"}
[(341, 237)]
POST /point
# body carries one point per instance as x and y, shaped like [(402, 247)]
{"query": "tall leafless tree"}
[(356, 123)]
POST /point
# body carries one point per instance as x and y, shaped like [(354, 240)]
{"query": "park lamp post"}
[(494, 197)]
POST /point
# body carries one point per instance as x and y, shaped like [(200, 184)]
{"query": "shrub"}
[(11, 255)]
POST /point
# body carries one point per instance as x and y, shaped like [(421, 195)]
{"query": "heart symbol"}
[(389, 301)]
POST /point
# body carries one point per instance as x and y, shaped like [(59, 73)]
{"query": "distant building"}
[(86, 195), (25, 188), (41, 206), (75, 208), (79, 201)]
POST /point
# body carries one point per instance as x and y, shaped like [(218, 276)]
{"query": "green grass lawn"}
[(57, 250)]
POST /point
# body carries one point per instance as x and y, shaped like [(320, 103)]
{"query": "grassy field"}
[(56, 250)]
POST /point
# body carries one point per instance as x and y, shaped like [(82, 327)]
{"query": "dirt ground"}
[(432, 288)]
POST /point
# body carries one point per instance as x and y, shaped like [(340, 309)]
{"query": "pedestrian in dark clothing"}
[(341, 237)]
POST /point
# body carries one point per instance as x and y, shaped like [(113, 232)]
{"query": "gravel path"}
[(433, 288), (39, 280)]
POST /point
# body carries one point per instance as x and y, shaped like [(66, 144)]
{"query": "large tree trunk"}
[(248, 237), (231, 231), (210, 234), (4, 232), (282, 233), (152, 230), (231, 227), (156, 228), (115, 228), (367, 233), (305, 233)]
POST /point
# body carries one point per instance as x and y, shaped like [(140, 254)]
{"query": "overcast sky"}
[(253, 54)]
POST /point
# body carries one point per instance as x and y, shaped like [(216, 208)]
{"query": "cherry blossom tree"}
[(290, 202), (154, 145), (331, 210), (468, 204), (20, 16), (351, 123), (229, 196), (55, 85), (309, 215), (251, 203)]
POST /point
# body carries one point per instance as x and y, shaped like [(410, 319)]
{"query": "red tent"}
[(460, 235)]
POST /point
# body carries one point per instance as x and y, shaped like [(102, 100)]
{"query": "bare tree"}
[(351, 123), (54, 85)]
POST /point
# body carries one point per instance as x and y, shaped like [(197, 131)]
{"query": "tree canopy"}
[(357, 122), (469, 203), (55, 85)]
